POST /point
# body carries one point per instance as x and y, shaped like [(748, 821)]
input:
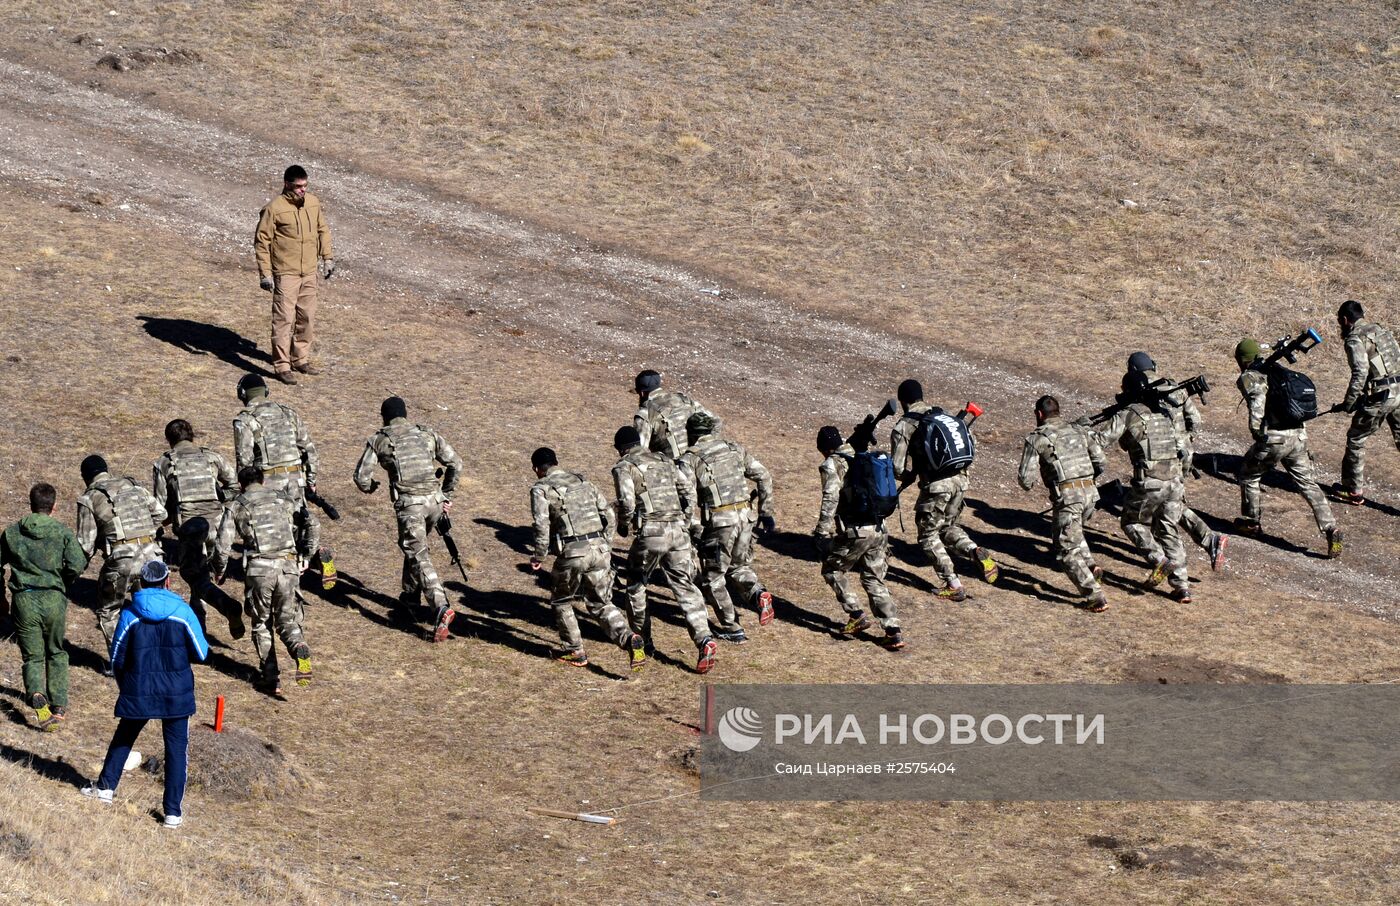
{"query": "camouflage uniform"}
[(660, 421), (270, 523), (654, 501), (274, 438), (863, 548), (1373, 395), (1069, 457), (119, 517), (573, 520), (940, 502), (1186, 418), (1157, 496), (1288, 447), (720, 471), (193, 482), (409, 452)]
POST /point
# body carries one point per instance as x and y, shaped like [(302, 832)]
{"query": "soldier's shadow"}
[(199, 338), (793, 545), (494, 617), (51, 768), (516, 537)]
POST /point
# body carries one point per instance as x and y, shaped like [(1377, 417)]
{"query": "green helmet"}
[(1246, 351), (699, 424)]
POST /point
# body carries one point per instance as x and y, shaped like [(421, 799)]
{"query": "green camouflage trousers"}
[(1289, 449), (41, 619), (664, 545), (584, 569), (1074, 507), (936, 515), (271, 599), (120, 569), (726, 556), (1151, 515), (865, 550), (417, 516), (1365, 422)]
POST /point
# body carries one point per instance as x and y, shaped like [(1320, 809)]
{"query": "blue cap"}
[(154, 572)]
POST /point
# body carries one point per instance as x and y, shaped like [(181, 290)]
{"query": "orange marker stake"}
[(219, 714)]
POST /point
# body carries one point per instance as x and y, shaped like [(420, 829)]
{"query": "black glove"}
[(622, 529), (267, 284), (767, 525), (329, 268), (1098, 469)]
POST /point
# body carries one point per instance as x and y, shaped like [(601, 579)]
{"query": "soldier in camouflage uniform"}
[(1186, 418), (573, 521), (723, 523), (194, 482), (410, 453), (940, 502), (274, 529), (844, 546), (1157, 495), (119, 517), (661, 415), (273, 437), (654, 502), (1373, 393), (1069, 459), (1285, 446)]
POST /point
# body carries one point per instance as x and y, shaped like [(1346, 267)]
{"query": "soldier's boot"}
[(1097, 602), (892, 640), (765, 607), (709, 653), (443, 629), (637, 650), (327, 569), (951, 593), (1157, 576), (574, 658), (303, 656), (1334, 543), (1217, 551), (990, 571)]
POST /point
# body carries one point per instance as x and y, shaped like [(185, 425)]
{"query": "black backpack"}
[(942, 445), (870, 492), (1291, 400)]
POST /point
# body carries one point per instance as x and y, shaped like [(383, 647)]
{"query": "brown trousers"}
[(293, 320)]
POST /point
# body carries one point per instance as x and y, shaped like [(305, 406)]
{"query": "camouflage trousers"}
[(664, 545), (936, 514), (726, 557), (864, 549), (120, 571), (271, 599), (417, 516), (1365, 422), (293, 484), (194, 546), (1070, 509), (1152, 515), (584, 570), (1289, 449), (1196, 527)]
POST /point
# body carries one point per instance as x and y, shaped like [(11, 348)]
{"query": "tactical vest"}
[(411, 451), (193, 476), (578, 509), (1158, 443), (721, 482), (1385, 362), (1069, 453), (668, 413), (270, 522), (657, 492), (131, 512), (275, 438)]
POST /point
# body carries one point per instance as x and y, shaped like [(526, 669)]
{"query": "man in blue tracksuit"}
[(155, 640)]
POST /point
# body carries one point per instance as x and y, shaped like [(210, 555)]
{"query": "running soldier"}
[(273, 437), (573, 521), (194, 483), (847, 541), (940, 502), (120, 518), (409, 454), (1285, 446), (661, 415), (1069, 459), (723, 522), (1373, 394), (654, 502), (274, 529), (1157, 495)]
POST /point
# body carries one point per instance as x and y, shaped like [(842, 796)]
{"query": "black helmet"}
[(1141, 361), (829, 438), (626, 438), (248, 384), (91, 467), (647, 381), (392, 408), (910, 391)]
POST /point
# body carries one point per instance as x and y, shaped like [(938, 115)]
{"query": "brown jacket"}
[(290, 239)]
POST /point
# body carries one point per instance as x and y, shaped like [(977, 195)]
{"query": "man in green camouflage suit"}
[(940, 502), (654, 502), (118, 517), (661, 415), (1069, 458), (846, 546), (723, 522), (410, 453), (572, 520), (1373, 393), (1283, 446), (194, 482), (273, 528)]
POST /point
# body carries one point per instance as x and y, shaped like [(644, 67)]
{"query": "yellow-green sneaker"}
[(47, 721), (637, 646), (327, 569), (1157, 576), (990, 572)]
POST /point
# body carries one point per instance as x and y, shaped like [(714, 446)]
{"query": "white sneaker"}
[(92, 791), (173, 820)]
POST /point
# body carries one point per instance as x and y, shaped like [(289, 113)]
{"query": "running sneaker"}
[(738, 636), (708, 655), (1217, 551), (1096, 602), (951, 593), (572, 658), (990, 572), (857, 624), (765, 608), (1181, 595), (327, 569), (445, 615), (893, 639), (1157, 576), (637, 647), (1334, 543)]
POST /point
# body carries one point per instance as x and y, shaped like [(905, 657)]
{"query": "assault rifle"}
[(863, 435), (1154, 394), (326, 506), (444, 528)]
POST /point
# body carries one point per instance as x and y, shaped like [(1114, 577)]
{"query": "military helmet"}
[(1246, 351), (1141, 361), (699, 424), (248, 384)]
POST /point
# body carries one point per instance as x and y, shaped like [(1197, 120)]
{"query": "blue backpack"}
[(870, 493)]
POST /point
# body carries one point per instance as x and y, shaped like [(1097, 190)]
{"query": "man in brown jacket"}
[(292, 237)]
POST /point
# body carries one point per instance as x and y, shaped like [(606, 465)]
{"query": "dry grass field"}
[(522, 195)]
